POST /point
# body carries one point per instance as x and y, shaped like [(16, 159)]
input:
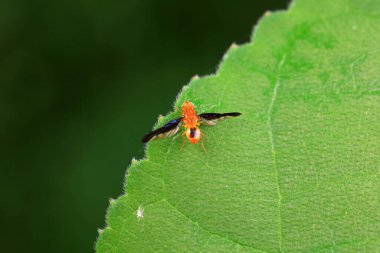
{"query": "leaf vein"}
[(211, 233), (273, 150)]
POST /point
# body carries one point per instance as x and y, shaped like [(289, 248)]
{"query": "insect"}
[(191, 121)]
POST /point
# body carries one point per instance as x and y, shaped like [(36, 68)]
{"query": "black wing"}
[(169, 129), (210, 118)]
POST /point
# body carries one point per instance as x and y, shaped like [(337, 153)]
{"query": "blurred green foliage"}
[(80, 83)]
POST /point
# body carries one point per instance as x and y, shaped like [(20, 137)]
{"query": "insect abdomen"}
[(193, 134)]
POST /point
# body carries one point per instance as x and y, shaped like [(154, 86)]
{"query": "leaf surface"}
[(298, 171)]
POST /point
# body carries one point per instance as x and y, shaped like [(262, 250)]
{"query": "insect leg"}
[(203, 143)]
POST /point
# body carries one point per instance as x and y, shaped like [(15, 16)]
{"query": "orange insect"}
[(191, 121)]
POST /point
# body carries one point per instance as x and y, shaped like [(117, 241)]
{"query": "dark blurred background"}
[(80, 83)]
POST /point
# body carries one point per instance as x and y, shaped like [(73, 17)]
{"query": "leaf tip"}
[(195, 77), (134, 161), (233, 46), (267, 13)]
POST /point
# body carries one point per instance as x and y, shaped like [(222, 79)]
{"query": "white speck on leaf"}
[(140, 213)]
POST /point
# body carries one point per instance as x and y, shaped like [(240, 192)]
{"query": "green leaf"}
[(297, 172)]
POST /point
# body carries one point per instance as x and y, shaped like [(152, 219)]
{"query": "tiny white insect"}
[(140, 213)]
